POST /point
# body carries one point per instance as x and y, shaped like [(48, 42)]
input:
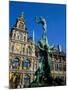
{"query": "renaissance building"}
[(57, 61), (22, 59)]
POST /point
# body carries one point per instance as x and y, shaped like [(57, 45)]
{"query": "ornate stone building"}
[(57, 60), (22, 58)]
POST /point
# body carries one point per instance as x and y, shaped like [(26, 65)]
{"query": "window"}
[(56, 67), (21, 36), (30, 50), (26, 64), (15, 63), (23, 51), (26, 81), (24, 38), (64, 67), (18, 37), (60, 67), (26, 51), (52, 66)]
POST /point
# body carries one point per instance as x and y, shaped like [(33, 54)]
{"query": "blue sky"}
[(55, 15)]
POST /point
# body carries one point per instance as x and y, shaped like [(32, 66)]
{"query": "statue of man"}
[(41, 21)]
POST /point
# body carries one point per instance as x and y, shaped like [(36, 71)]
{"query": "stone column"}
[(32, 77), (22, 81), (32, 66), (21, 63)]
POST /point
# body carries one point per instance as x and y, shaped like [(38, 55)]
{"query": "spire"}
[(22, 14), (33, 37), (60, 48)]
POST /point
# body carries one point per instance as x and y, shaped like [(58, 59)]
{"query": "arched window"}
[(26, 51), (26, 81), (56, 67), (30, 50), (15, 63), (21, 36), (24, 38), (52, 66), (17, 35), (26, 64), (23, 50)]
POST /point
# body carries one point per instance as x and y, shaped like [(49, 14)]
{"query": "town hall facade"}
[(22, 58)]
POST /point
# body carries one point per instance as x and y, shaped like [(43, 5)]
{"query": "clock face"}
[(18, 47)]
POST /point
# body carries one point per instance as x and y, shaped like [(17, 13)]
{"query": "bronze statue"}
[(42, 75), (41, 21)]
